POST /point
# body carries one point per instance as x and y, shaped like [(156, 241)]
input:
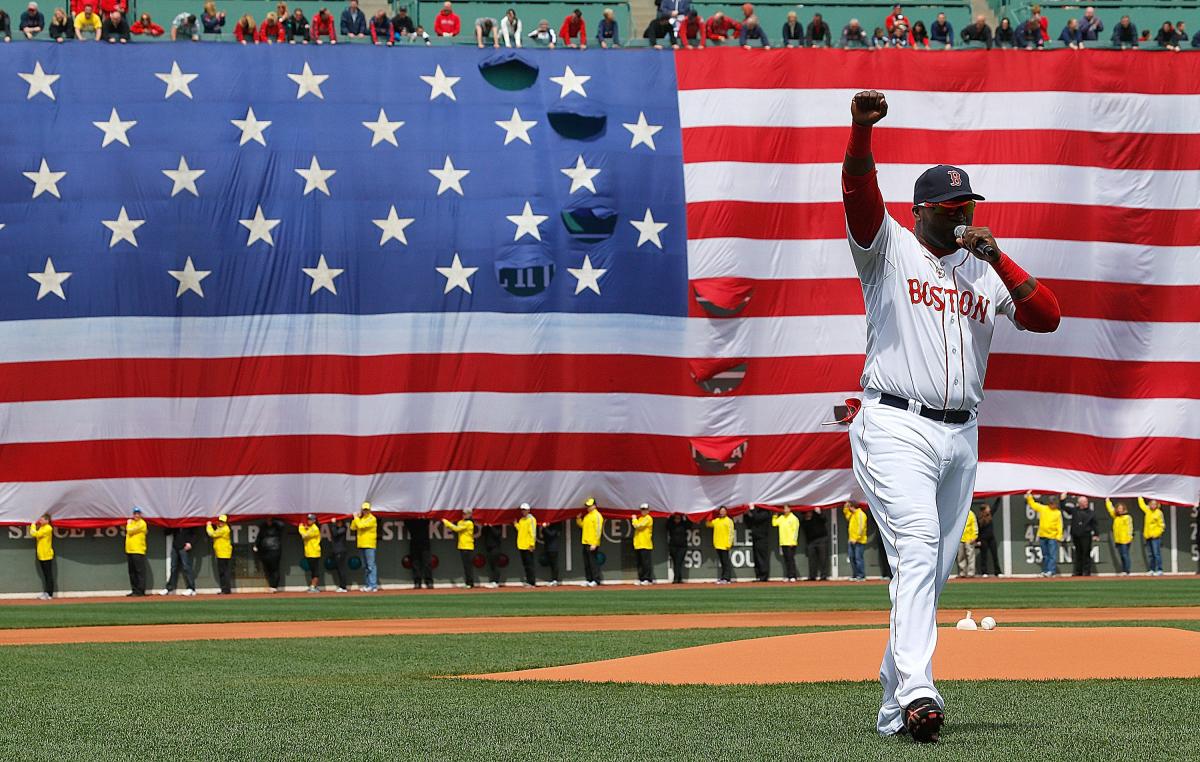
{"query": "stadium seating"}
[(1147, 14), (529, 13), (870, 14)]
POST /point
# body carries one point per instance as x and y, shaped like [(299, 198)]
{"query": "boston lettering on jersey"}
[(964, 303)]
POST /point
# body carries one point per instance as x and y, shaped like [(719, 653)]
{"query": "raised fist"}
[(868, 107)]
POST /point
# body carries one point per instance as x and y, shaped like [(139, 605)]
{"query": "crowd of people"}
[(329, 546), (676, 25)]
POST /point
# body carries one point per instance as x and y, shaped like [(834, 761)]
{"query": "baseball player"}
[(932, 297)]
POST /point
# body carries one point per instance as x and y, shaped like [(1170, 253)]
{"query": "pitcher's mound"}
[(1052, 653)]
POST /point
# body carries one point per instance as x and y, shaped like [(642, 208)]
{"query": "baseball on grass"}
[(987, 623)]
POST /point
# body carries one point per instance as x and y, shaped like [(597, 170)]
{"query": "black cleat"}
[(923, 720)]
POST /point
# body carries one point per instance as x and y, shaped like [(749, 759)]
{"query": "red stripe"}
[(808, 297), (1092, 71), (1069, 222), (827, 145), (1123, 379), (1094, 455)]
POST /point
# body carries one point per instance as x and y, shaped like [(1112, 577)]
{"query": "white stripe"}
[(1037, 110), (1001, 477), (1107, 340), (1092, 416), (830, 258), (1033, 183)]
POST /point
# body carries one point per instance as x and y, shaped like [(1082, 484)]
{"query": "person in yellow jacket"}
[(527, 527), (42, 532), (1152, 532), (722, 527), (464, 530), (365, 525), (856, 539), (643, 544), (135, 552), (1050, 529), (87, 24), (223, 550), (789, 536), (967, 545), (310, 533), (592, 524), (1122, 531)]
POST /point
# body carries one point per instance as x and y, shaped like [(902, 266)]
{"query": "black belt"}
[(945, 416)]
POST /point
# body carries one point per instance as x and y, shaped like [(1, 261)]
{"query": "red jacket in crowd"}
[(719, 28), (573, 26), (447, 24), (690, 29), (244, 35), (268, 32), (322, 23), (106, 6), (152, 29)]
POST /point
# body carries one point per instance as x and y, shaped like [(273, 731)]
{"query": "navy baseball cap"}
[(943, 183)]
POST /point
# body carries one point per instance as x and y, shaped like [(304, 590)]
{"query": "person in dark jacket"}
[(268, 544), (1028, 35), (182, 539), (1004, 34), (1167, 37), (987, 542), (1090, 26), (608, 33), (752, 30), (1196, 44), (32, 21), (942, 31), (418, 552), (61, 27), (677, 542), (978, 32), (115, 28), (815, 526), (296, 28), (492, 537), (1070, 35), (212, 20), (338, 552), (818, 32), (1125, 34), (661, 28), (793, 31), (1083, 531), (381, 29), (5, 26), (758, 521), (354, 22), (551, 546)]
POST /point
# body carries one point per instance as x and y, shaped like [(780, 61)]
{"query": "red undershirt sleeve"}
[(860, 193), (1039, 311)]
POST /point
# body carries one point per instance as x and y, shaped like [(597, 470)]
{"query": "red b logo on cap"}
[(955, 178)]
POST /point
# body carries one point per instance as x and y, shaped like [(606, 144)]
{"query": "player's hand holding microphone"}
[(979, 241)]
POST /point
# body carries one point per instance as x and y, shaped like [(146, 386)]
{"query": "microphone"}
[(980, 248)]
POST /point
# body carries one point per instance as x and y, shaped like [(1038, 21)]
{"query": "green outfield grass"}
[(376, 698), (746, 597)]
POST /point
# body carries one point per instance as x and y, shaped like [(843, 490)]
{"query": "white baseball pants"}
[(918, 476)]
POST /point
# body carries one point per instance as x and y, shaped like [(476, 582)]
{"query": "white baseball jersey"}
[(929, 320)]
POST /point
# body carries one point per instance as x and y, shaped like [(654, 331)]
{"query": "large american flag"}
[(279, 280)]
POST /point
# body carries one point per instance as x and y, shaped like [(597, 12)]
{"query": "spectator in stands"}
[(526, 541), (879, 38), (758, 522), (941, 31), (1071, 36), (365, 527), (793, 31), (608, 34), (543, 35), (115, 28), (135, 553), (551, 545), (32, 21), (492, 538), (212, 20), (402, 26), (895, 17), (667, 7), (418, 552), (817, 32), (1181, 30), (354, 22), (87, 24), (1144, 36), (223, 551), (1004, 34), (987, 543), (1083, 532), (310, 535), (789, 533), (1167, 37), (145, 25), (511, 30), (747, 12), (281, 10), (978, 32), (722, 539), (853, 35), (1125, 34), (1050, 529), (1090, 26), (643, 540), (5, 26), (659, 28), (338, 532), (573, 31), (245, 30), (268, 544), (677, 542), (42, 533), (447, 23), (272, 31), (420, 35), (592, 524), (720, 28), (322, 24), (752, 31), (966, 546), (690, 31), (1122, 532), (61, 27), (1152, 532), (180, 560), (485, 29), (856, 539), (382, 32), (899, 37), (296, 28), (919, 35), (108, 6), (184, 28), (464, 530), (1029, 35), (816, 542)]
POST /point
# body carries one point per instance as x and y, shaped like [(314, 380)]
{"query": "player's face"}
[(936, 223)]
